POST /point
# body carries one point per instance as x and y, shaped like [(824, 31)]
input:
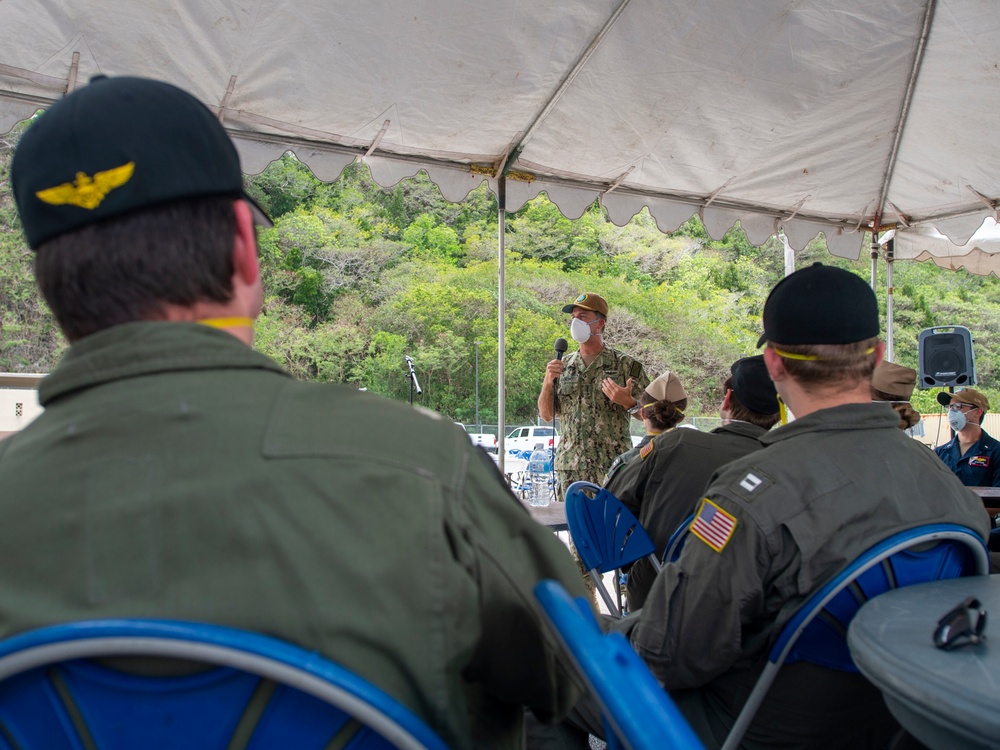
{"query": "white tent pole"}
[(501, 319), (889, 248), (789, 256), (874, 252)]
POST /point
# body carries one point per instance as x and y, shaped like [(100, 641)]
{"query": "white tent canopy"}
[(802, 115)]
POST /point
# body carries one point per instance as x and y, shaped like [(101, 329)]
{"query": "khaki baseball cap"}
[(896, 380), (588, 301), (965, 396), (667, 387)]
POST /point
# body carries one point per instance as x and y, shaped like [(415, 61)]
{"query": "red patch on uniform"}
[(979, 461), (646, 450)]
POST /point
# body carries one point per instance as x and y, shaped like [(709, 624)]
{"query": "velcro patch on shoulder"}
[(713, 525), (752, 484), (646, 450), (979, 461)]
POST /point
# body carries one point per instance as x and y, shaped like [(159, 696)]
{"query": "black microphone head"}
[(561, 347), (944, 398)]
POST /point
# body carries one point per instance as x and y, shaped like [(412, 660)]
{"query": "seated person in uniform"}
[(176, 473), (972, 454), (776, 524), (894, 384), (661, 408), (662, 486)]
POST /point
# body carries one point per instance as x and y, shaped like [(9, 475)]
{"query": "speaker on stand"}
[(945, 357)]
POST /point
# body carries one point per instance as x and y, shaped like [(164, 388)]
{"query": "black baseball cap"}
[(115, 146), (820, 305), (753, 385)]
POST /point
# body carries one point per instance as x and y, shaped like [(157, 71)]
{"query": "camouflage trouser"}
[(564, 479)]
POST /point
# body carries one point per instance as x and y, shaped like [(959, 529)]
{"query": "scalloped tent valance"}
[(809, 116)]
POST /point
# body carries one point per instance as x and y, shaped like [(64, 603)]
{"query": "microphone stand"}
[(412, 377)]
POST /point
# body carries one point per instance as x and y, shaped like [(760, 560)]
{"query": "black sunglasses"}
[(961, 626)]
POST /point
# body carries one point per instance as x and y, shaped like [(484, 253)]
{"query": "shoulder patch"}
[(713, 525), (751, 484), (646, 449)]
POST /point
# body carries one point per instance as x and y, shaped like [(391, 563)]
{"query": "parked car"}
[(484, 440), (526, 438)]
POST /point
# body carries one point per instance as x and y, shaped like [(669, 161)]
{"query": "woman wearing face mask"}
[(972, 454)]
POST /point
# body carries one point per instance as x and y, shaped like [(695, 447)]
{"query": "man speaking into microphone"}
[(594, 391)]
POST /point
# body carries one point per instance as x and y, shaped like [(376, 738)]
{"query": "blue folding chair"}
[(606, 534), (258, 693), (818, 632), (636, 711)]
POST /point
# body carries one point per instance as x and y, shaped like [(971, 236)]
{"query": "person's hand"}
[(553, 370), (617, 394)]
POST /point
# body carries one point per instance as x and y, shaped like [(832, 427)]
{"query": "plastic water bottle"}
[(539, 470)]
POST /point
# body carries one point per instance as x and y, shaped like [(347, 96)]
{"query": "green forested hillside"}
[(356, 276)]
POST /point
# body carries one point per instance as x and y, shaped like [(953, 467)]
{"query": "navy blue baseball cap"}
[(820, 305), (119, 145), (753, 385)]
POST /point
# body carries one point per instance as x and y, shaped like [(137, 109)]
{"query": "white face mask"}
[(579, 331), (957, 420)]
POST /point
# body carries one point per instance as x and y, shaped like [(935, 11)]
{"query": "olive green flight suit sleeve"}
[(505, 553), (690, 628)]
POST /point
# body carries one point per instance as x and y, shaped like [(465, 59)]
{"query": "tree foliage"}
[(357, 277)]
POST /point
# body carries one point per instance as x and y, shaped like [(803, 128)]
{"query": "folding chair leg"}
[(598, 580)]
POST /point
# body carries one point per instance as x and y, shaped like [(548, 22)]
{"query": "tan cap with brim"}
[(588, 301), (667, 387)]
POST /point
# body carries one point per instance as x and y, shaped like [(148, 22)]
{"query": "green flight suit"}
[(663, 487), (824, 489), (593, 429), (176, 473)]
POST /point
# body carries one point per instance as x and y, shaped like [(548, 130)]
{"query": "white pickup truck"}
[(484, 440), (526, 438)]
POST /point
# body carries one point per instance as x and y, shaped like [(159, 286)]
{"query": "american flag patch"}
[(713, 525), (646, 450)]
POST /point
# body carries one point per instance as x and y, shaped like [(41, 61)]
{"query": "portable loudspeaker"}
[(946, 358)]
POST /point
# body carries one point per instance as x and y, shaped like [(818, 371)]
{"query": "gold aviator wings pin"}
[(85, 191)]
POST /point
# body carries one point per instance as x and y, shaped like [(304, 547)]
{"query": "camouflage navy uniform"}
[(594, 430)]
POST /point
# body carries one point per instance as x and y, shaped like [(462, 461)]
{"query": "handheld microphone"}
[(944, 398), (561, 346)]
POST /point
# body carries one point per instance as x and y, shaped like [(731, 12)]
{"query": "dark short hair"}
[(130, 267), (737, 409)]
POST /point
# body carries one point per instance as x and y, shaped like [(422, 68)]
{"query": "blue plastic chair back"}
[(606, 533), (677, 539), (817, 633), (824, 640), (637, 713), (52, 695)]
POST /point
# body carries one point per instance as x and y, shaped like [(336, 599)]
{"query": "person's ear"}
[(246, 267), (727, 400), (879, 352), (775, 364)]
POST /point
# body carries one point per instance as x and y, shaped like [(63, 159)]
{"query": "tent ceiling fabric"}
[(806, 115)]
